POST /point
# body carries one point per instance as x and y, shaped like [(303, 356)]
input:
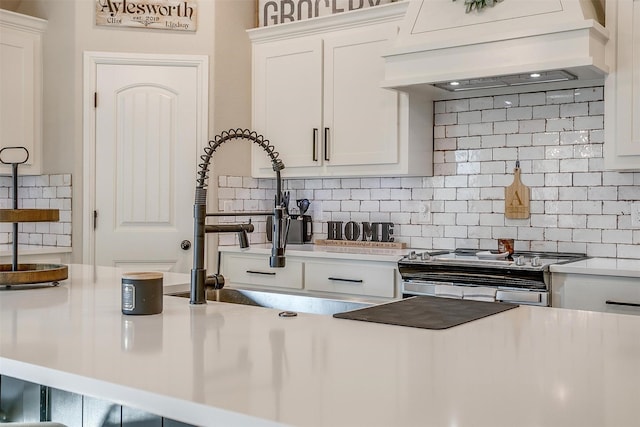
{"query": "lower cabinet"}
[(25, 402), (612, 294), (350, 277), (328, 277), (254, 270)]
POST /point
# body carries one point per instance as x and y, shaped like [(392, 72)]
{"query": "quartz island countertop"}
[(232, 365)]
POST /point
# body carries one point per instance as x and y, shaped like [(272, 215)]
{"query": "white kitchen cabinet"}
[(327, 276), (605, 293), (317, 98), (21, 88), (253, 270), (622, 86), (350, 277)]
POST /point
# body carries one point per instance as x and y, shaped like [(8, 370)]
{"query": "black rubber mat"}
[(427, 312)]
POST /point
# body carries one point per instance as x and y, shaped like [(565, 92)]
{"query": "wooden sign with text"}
[(272, 12), (177, 15)]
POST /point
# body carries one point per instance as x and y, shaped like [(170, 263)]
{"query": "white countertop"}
[(321, 251), (601, 266), (232, 365)]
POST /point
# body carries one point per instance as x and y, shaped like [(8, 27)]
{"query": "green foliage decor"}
[(478, 4)]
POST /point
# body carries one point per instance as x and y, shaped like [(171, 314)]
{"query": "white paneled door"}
[(146, 152)]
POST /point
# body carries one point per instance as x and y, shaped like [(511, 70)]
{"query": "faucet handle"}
[(279, 236)]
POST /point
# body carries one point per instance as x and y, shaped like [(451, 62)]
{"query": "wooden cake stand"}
[(23, 274)]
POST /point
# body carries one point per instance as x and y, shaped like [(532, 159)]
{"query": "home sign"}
[(272, 12), (179, 15), (375, 232)]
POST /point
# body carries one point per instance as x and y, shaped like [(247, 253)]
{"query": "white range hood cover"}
[(439, 42)]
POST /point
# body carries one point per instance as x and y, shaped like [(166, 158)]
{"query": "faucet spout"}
[(280, 217)]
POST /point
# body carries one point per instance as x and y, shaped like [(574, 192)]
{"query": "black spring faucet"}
[(199, 279)]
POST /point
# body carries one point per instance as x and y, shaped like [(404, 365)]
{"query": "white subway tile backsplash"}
[(589, 94), (558, 137), (560, 96), (537, 98), (40, 192), (588, 122), (484, 103), (546, 112), (457, 105), (520, 113), (574, 137), (559, 125), (532, 126), (506, 101), (480, 129), (572, 110), (454, 131), (506, 127)]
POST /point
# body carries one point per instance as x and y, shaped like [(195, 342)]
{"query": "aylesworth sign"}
[(177, 15)]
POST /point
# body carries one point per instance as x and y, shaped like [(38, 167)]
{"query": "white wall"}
[(72, 31)]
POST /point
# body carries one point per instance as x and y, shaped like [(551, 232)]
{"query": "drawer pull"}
[(326, 144), (315, 144), (628, 304), (338, 279), (266, 273)]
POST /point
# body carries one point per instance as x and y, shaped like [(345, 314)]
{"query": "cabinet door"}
[(622, 87), (360, 118), (609, 294), (350, 277), (287, 99), (20, 95), (254, 270)]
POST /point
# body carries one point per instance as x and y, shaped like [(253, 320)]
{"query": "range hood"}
[(513, 44)]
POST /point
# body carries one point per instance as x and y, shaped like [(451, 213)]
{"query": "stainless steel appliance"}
[(522, 278)]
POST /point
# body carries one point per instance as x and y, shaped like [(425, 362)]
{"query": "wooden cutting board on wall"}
[(517, 198)]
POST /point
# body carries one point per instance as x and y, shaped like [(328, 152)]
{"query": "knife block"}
[(299, 229)]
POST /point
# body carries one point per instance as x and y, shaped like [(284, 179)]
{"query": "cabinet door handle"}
[(628, 304), (326, 144), (338, 279), (315, 144), (266, 273)]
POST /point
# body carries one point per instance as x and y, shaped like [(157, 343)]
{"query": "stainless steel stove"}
[(522, 277)]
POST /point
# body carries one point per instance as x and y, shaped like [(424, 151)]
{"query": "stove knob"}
[(520, 260), (425, 256), (412, 255), (535, 262)]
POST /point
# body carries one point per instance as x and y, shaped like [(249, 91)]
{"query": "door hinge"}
[(95, 219), (95, 99)]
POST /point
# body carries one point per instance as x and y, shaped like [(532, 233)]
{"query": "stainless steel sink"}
[(285, 302)]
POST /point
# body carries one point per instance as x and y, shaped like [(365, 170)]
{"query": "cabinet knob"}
[(185, 245)]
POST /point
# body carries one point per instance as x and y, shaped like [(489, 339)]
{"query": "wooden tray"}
[(32, 273), (359, 243), (29, 215)]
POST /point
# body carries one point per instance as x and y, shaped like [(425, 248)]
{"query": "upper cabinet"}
[(622, 86), (21, 88), (317, 98)]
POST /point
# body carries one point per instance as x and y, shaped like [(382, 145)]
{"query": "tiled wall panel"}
[(39, 192), (558, 137)]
